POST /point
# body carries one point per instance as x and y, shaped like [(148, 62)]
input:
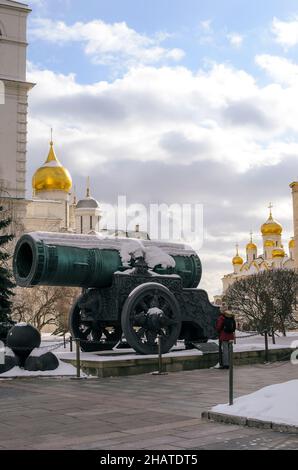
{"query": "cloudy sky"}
[(172, 101)]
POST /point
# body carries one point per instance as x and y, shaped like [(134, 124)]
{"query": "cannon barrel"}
[(62, 259)]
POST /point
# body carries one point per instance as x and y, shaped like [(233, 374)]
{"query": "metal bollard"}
[(266, 346), (220, 353), (78, 358), (70, 344), (160, 364), (231, 374), (159, 355), (64, 341)]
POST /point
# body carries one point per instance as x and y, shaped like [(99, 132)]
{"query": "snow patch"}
[(63, 370), (134, 248), (153, 255), (276, 403)]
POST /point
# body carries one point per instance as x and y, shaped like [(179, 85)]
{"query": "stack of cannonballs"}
[(23, 341)]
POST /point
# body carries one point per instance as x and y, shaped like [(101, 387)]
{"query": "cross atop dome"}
[(270, 207), (88, 187)]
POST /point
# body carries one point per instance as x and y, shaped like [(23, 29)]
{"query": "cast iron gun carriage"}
[(131, 288)]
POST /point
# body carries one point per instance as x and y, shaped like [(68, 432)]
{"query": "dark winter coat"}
[(223, 336)]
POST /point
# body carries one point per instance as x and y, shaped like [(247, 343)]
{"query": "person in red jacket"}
[(226, 327)]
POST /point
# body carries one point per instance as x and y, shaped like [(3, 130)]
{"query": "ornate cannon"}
[(139, 289)]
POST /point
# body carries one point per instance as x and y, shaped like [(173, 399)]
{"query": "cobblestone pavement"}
[(136, 412)]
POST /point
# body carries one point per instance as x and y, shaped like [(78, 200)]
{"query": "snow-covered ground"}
[(276, 403), (63, 370), (254, 343), (55, 343)]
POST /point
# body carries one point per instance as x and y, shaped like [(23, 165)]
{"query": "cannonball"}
[(23, 336)]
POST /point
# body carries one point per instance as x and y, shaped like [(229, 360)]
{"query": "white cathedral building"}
[(273, 255)]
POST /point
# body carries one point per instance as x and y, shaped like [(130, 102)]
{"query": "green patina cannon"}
[(133, 289)]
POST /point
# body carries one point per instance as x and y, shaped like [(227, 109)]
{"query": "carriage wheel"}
[(151, 310), (93, 336)]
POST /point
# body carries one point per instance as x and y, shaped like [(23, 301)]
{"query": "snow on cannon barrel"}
[(139, 289)]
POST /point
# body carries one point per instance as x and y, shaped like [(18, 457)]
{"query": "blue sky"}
[(182, 19), (172, 101)]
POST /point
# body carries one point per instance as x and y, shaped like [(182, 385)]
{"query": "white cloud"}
[(286, 32), (235, 39), (170, 115), (108, 44), (280, 69), (205, 25)]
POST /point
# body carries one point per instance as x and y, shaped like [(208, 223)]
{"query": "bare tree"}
[(44, 307), (267, 300), (283, 289)]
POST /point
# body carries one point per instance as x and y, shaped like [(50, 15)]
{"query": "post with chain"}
[(159, 355), (220, 353), (78, 358), (266, 346), (231, 374), (160, 364)]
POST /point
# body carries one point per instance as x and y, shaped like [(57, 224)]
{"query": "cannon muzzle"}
[(60, 259)]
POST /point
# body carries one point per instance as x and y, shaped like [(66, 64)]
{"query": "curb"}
[(249, 422)]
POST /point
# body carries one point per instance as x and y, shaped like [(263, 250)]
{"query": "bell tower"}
[(13, 100)]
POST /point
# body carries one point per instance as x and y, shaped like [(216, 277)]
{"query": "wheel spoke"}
[(139, 319), (144, 306), (155, 301), (166, 309)]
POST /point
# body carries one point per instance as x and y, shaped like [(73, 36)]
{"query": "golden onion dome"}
[(237, 260), (251, 246), (292, 243), (278, 253), (269, 243), (271, 227), (52, 176)]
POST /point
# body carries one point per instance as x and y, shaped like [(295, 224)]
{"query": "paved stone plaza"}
[(136, 412)]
